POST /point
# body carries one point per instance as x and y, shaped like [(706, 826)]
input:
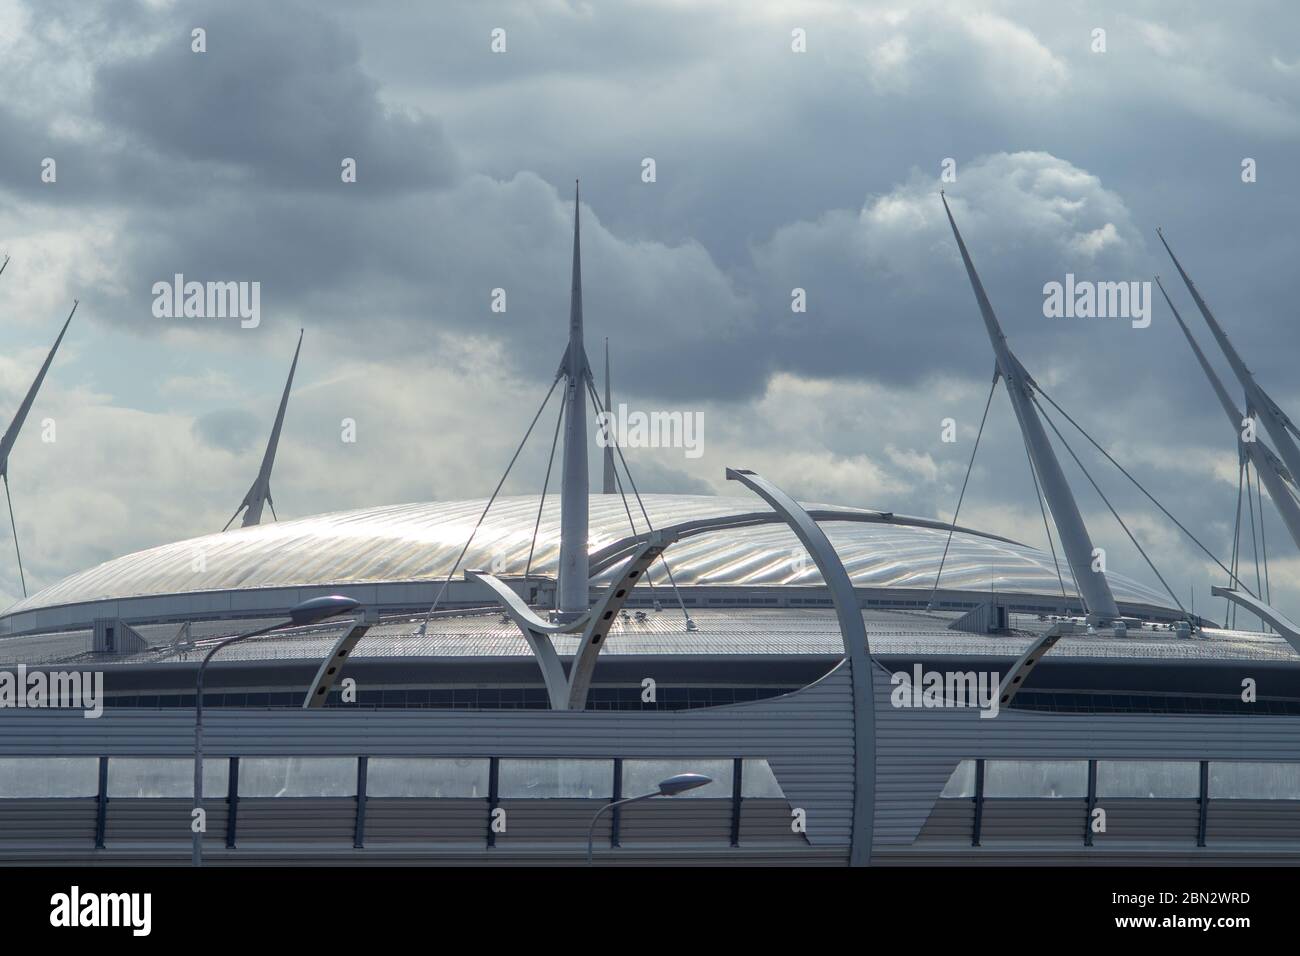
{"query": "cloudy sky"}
[(774, 169)]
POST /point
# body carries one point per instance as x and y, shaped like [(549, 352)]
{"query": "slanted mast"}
[(1094, 590), (1279, 426), (1266, 465), (259, 495)]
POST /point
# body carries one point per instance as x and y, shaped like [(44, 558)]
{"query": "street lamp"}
[(308, 612), (667, 788)]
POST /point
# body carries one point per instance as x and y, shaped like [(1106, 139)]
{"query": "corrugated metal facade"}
[(806, 737)]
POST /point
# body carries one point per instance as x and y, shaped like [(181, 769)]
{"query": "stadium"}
[(628, 678)]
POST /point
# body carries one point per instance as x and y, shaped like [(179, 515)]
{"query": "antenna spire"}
[(259, 495), (572, 596)]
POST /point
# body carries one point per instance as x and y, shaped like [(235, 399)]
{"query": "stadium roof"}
[(725, 542)]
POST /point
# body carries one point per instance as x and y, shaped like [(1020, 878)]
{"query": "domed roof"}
[(726, 541)]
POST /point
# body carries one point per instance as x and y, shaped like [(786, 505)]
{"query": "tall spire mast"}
[(1280, 428), (11, 433), (610, 484), (1266, 465), (259, 495), (1094, 590), (16, 425), (572, 598)]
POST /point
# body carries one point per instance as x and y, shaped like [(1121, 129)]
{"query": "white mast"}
[(16, 425), (1280, 428), (572, 597), (11, 433), (259, 495), (1266, 464), (610, 485), (1094, 590)]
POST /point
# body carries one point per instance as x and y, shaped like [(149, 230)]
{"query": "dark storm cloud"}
[(279, 96), (234, 429), (775, 171)]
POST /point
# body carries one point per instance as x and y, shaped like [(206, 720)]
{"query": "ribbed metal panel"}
[(807, 738), (552, 821), (951, 821), (1032, 821), (686, 821), (297, 820), (413, 821), (767, 820), (1135, 820), (918, 748), (1253, 821), (51, 822), (132, 821)]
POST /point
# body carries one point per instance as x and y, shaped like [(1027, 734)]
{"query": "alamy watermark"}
[(133, 911), (931, 689), (1084, 299), (179, 299), (626, 429), (75, 690)]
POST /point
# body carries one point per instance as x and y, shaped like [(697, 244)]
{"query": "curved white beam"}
[(331, 669), (1289, 630), (570, 692), (537, 633), (616, 551), (1024, 666), (518, 609), (603, 616), (854, 634)]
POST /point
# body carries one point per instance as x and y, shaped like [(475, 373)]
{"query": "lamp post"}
[(667, 788), (308, 612)]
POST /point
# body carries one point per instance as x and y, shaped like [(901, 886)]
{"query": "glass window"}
[(426, 777), (643, 776), (1253, 780), (165, 777), (1035, 778), (555, 778), (758, 780), (1148, 778), (298, 777), (962, 781), (22, 777)]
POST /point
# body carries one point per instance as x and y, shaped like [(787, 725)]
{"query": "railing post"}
[(615, 816), (232, 802), (359, 838), (494, 774), (737, 779), (101, 812), (1204, 802), (1092, 802)]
